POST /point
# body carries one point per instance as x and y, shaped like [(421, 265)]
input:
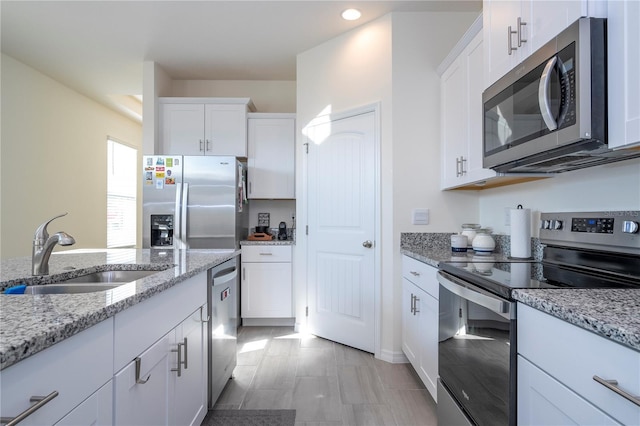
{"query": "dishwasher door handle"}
[(225, 276)]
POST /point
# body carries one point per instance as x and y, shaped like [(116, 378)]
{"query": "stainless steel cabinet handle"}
[(520, 38), (201, 145), (414, 273), (203, 320), (266, 254), (367, 244), (462, 163), (186, 356), (510, 47), (208, 145), (458, 167), (40, 402), (411, 310), (138, 379), (415, 305), (613, 386), (178, 369)]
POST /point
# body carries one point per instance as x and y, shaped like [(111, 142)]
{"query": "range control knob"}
[(556, 224), (544, 224), (629, 227)]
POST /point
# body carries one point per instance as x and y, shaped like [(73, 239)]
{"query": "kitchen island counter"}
[(32, 323)]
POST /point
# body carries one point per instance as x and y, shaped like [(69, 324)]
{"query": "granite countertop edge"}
[(32, 323)]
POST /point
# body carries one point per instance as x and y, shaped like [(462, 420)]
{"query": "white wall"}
[(609, 187), (391, 61), (54, 159)]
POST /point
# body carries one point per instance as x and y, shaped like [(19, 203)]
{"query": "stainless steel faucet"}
[(43, 246)]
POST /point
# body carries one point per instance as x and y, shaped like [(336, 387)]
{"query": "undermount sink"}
[(69, 288), (109, 277), (89, 283)]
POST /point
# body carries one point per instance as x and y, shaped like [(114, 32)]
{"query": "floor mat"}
[(250, 418)]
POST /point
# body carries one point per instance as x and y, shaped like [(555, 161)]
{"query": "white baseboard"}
[(394, 357), (269, 322)]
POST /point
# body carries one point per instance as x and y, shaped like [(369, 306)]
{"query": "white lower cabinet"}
[(557, 366), (143, 399), (95, 410), (69, 372), (266, 290), (420, 320), (545, 401), (166, 384)]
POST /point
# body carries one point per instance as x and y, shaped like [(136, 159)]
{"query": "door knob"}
[(367, 244)]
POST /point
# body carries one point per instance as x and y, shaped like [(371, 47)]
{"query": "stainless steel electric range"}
[(477, 327)]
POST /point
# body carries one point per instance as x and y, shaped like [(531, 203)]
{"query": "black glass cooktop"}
[(502, 277)]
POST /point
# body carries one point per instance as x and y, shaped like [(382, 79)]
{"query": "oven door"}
[(476, 352)]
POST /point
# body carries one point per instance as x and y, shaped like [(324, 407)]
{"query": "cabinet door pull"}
[(510, 47), (201, 145), (415, 305), (203, 320), (179, 352), (411, 310), (186, 356), (463, 161), (208, 143), (266, 254), (40, 401), (414, 273), (520, 38), (613, 386), (138, 379)]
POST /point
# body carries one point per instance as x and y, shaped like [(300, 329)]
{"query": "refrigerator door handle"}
[(177, 228), (183, 215)]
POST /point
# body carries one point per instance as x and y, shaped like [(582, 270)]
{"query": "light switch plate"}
[(420, 216)]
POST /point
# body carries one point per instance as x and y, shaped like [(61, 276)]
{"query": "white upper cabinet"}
[(514, 29), (623, 73), (203, 126), (271, 156), (461, 87)]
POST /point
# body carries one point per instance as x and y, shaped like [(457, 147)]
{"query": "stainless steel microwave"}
[(549, 114)]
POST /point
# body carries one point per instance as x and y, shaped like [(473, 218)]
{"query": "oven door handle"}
[(493, 303)]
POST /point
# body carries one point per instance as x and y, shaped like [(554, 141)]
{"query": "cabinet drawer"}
[(266, 253), (573, 356), (75, 368), (421, 274)]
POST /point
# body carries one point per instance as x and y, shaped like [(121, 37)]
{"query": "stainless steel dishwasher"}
[(223, 325)]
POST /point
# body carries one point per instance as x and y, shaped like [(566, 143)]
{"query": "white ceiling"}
[(98, 47)]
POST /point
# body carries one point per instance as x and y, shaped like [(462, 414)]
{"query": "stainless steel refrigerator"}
[(193, 202)]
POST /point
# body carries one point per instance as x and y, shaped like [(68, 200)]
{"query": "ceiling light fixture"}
[(351, 14)]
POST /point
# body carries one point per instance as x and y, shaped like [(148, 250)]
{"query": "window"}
[(122, 174)]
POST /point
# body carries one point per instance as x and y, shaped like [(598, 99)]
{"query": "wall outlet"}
[(507, 216), (420, 216)]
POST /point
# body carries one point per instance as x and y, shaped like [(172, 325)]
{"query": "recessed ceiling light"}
[(351, 14)]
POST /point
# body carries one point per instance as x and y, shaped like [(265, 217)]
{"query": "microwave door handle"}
[(494, 304), (543, 98)]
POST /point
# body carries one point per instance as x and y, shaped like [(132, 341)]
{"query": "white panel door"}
[(341, 219)]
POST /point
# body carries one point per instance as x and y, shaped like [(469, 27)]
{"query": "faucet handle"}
[(41, 232)]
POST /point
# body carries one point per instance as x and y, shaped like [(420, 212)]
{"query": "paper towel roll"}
[(521, 233)]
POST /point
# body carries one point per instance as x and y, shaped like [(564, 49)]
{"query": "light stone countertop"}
[(611, 313), (31, 323)]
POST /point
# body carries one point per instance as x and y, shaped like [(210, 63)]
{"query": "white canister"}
[(459, 243), (469, 229), (483, 242)]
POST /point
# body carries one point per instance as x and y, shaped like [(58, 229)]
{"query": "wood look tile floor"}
[(328, 384)]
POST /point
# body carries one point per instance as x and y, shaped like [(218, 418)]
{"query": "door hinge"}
[(306, 231), (306, 311), (306, 147), (460, 313)]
